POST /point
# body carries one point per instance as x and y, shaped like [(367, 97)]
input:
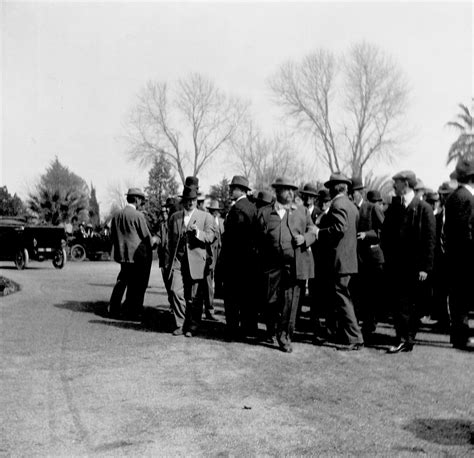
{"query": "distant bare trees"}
[(351, 105), (188, 123)]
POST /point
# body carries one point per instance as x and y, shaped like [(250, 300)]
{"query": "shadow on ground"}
[(451, 431)]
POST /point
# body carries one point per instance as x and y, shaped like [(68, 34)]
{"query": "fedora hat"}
[(283, 182), (264, 197), (215, 205), (135, 192), (464, 167), (407, 175), (374, 196), (192, 182), (323, 195), (357, 184), (446, 188), (189, 192), (309, 189), (419, 185), (337, 178), (240, 181)]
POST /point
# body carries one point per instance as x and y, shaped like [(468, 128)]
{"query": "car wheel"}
[(21, 258), (59, 259), (78, 253)]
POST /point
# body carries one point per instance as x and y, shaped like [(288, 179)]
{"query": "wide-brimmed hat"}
[(264, 197), (309, 189), (240, 181), (215, 205), (283, 182), (446, 188), (419, 185), (407, 175), (192, 182), (189, 192), (323, 195), (374, 196), (337, 178), (357, 184), (135, 192), (464, 167)]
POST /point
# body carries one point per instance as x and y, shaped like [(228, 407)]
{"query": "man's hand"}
[(299, 239), (361, 235), (154, 241), (422, 276), (193, 228)]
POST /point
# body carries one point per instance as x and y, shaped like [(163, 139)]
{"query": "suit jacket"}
[(196, 247), (272, 256), (459, 229), (408, 237), (370, 221), (338, 237), (238, 240), (131, 238)]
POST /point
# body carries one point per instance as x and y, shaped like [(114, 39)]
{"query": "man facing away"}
[(190, 232), (132, 245), (408, 241), (285, 232)]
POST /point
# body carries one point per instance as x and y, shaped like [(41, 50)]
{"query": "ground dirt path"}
[(77, 383)]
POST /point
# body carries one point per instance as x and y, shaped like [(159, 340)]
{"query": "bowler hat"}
[(431, 196), (215, 205), (189, 192), (464, 167), (407, 175), (192, 182), (170, 201), (240, 181), (309, 189), (374, 196), (357, 184), (446, 188), (265, 197), (323, 195), (337, 178), (283, 182), (135, 192)]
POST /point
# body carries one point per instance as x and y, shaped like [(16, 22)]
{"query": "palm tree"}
[(464, 124)]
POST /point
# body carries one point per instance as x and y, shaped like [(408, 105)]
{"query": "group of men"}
[(337, 242)]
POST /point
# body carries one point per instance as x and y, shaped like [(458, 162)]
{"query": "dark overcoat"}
[(371, 219), (337, 237)]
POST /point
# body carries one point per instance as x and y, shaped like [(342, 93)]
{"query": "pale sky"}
[(71, 73)]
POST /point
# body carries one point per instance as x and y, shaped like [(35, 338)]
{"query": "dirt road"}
[(77, 383)]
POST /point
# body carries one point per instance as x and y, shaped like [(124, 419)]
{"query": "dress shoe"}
[(188, 334), (210, 317), (351, 347), (286, 348), (178, 332), (403, 347)]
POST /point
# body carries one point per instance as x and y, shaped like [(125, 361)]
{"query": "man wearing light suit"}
[(190, 232)]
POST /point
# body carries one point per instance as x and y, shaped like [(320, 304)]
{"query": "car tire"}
[(21, 259), (78, 252), (60, 258)]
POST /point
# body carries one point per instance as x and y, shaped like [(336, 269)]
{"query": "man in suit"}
[(214, 251), (132, 246), (338, 236), (408, 242), (285, 232), (370, 277), (239, 263), (190, 233), (459, 231)]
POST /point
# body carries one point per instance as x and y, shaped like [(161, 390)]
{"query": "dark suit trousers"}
[(347, 324), (133, 278), (460, 303), (283, 298), (371, 292)]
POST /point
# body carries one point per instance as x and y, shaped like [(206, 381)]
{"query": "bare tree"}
[(262, 159), (351, 105), (188, 125)]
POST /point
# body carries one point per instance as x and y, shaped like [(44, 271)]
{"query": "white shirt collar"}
[(131, 205), (408, 197), (469, 187)]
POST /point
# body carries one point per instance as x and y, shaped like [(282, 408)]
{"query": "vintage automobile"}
[(21, 242), (93, 247)]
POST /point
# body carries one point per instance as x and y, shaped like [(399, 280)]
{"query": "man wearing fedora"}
[(239, 263), (408, 241), (285, 232), (214, 208), (459, 231), (190, 232), (337, 238), (132, 246)]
